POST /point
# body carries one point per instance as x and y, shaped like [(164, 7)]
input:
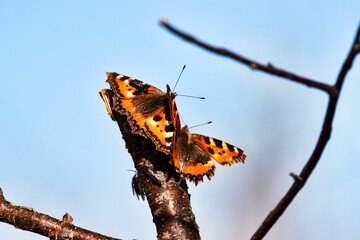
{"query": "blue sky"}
[(60, 152)]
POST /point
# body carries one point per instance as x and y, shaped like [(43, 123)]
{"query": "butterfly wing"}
[(107, 95), (160, 127), (146, 107), (222, 152), (127, 87), (195, 169), (195, 153), (190, 157)]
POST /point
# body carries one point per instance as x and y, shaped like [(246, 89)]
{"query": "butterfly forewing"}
[(147, 109), (222, 152), (127, 87)]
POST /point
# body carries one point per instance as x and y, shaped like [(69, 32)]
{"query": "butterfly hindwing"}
[(193, 153), (190, 157), (195, 171), (147, 109)]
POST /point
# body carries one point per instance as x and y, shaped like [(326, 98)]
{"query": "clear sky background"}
[(60, 152)]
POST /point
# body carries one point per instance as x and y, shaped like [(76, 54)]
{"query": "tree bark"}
[(164, 188)]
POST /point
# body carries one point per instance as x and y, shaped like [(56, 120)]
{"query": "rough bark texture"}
[(165, 189)]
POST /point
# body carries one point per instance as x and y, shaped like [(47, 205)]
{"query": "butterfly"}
[(193, 153), (147, 108)]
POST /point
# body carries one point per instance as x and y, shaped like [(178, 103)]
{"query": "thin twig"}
[(28, 219), (251, 63), (275, 214)]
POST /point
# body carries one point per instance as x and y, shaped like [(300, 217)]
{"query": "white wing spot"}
[(168, 134)]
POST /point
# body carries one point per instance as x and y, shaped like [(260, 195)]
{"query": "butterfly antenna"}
[(200, 124), (179, 77), (190, 96), (182, 119)]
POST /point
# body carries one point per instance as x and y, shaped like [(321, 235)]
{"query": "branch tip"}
[(163, 21)]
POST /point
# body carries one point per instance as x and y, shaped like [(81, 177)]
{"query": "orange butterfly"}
[(153, 114)]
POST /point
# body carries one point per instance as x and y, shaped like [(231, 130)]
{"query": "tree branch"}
[(28, 219), (325, 134), (165, 189), (300, 181), (251, 63)]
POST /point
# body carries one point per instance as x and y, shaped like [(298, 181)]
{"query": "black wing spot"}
[(211, 151), (168, 117), (207, 140), (123, 78), (157, 118), (169, 128), (139, 86), (220, 153), (231, 147), (137, 92), (218, 143)]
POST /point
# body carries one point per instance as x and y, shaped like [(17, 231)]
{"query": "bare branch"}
[(28, 219), (275, 214), (251, 63), (324, 137)]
